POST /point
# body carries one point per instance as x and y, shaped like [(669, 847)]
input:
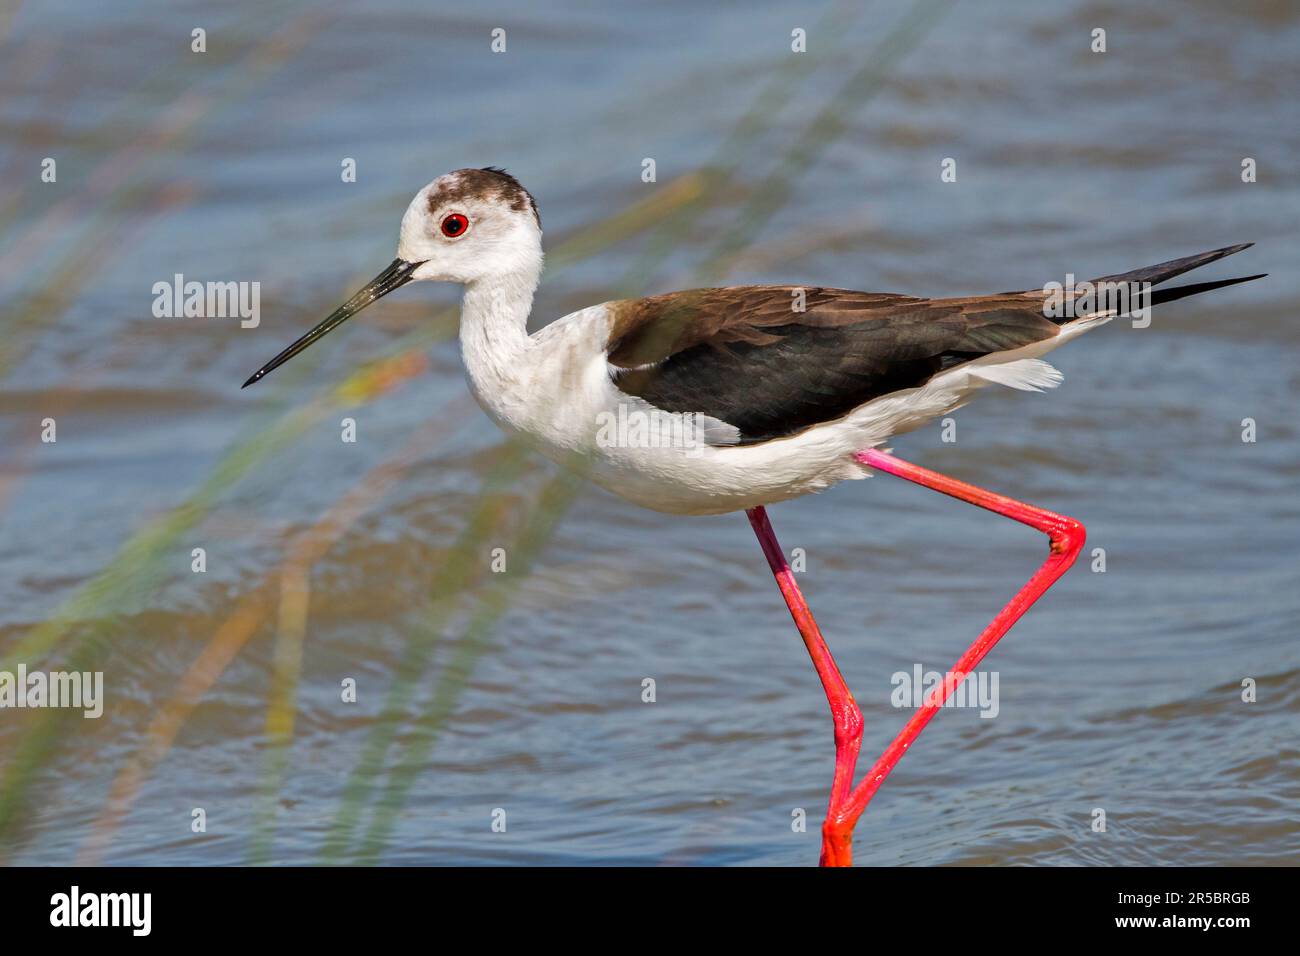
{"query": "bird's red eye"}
[(454, 225)]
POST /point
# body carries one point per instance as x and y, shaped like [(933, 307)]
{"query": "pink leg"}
[(1066, 537), (844, 709)]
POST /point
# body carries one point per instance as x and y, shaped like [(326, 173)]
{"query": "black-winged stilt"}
[(718, 400)]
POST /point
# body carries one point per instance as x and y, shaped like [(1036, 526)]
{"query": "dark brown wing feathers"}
[(651, 329), (746, 356)]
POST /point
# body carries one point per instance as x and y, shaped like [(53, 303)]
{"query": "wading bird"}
[(742, 397)]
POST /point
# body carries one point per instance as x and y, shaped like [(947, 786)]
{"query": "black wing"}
[(747, 357)]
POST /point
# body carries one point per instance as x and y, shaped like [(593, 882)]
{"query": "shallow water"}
[(522, 691)]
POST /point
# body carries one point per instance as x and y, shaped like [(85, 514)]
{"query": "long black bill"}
[(396, 275)]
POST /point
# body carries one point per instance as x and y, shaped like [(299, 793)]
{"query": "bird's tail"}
[(1153, 275)]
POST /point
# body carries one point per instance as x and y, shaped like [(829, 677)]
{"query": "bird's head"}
[(468, 224), (462, 227)]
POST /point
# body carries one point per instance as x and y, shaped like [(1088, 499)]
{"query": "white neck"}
[(494, 340)]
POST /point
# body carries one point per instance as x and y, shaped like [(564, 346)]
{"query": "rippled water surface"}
[(522, 691)]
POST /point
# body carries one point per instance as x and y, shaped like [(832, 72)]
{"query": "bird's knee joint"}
[(849, 725), (1068, 536)]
